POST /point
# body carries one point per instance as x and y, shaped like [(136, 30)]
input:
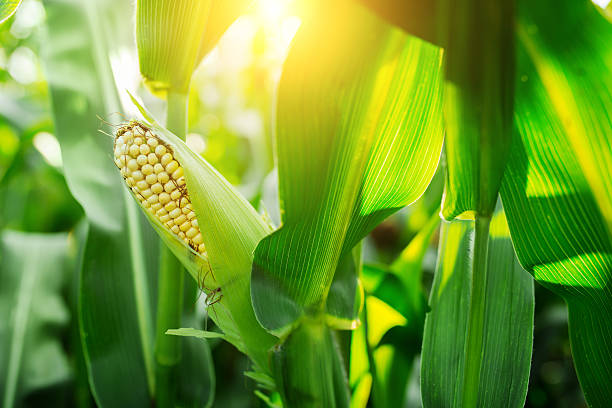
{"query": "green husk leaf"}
[(359, 136), (478, 36), (557, 184), (508, 329), (231, 229)]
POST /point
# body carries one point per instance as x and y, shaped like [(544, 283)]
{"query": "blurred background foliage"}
[(230, 124)]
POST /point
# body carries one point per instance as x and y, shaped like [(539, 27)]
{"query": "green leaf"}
[(507, 333), (572, 67), (358, 137), (478, 36), (231, 229), (191, 332), (34, 271), (169, 36), (7, 9), (116, 288), (559, 162)]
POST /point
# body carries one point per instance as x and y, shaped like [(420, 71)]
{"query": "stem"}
[(476, 317), (170, 293)]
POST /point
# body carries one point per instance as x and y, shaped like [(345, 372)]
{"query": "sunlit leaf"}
[(358, 137), (508, 332), (557, 184), (7, 8), (169, 36)]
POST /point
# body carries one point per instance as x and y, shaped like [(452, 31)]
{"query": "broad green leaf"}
[(358, 136), (169, 36), (7, 8), (231, 229), (478, 36), (508, 331), (34, 271), (572, 67), (120, 261), (552, 187)]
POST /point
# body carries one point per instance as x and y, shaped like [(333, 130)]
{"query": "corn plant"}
[(488, 120)]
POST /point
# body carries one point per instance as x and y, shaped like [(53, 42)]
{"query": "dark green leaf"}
[(556, 190), (508, 315)]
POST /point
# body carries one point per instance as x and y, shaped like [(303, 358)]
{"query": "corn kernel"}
[(156, 188)]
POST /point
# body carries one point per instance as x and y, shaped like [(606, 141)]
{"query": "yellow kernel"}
[(146, 193), (194, 222), (153, 199), (201, 248), (152, 158), (163, 197), (169, 187), (166, 158), (160, 150), (180, 182), (175, 195), (191, 215), (184, 204), (156, 188), (191, 232), (178, 173), (159, 211), (162, 176), (172, 166), (158, 207), (147, 169), (198, 239), (138, 140), (164, 218), (170, 206), (174, 213), (124, 172), (141, 160), (181, 234), (132, 164), (130, 181), (152, 142), (137, 175), (134, 151), (158, 168), (151, 179), (180, 219), (128, 136), (145, 149), (146, 204), (142, 185), (175, 229)]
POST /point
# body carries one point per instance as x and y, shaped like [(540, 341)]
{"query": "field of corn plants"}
[(305, 203)]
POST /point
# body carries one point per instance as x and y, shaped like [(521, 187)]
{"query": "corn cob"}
[(151, 171)]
